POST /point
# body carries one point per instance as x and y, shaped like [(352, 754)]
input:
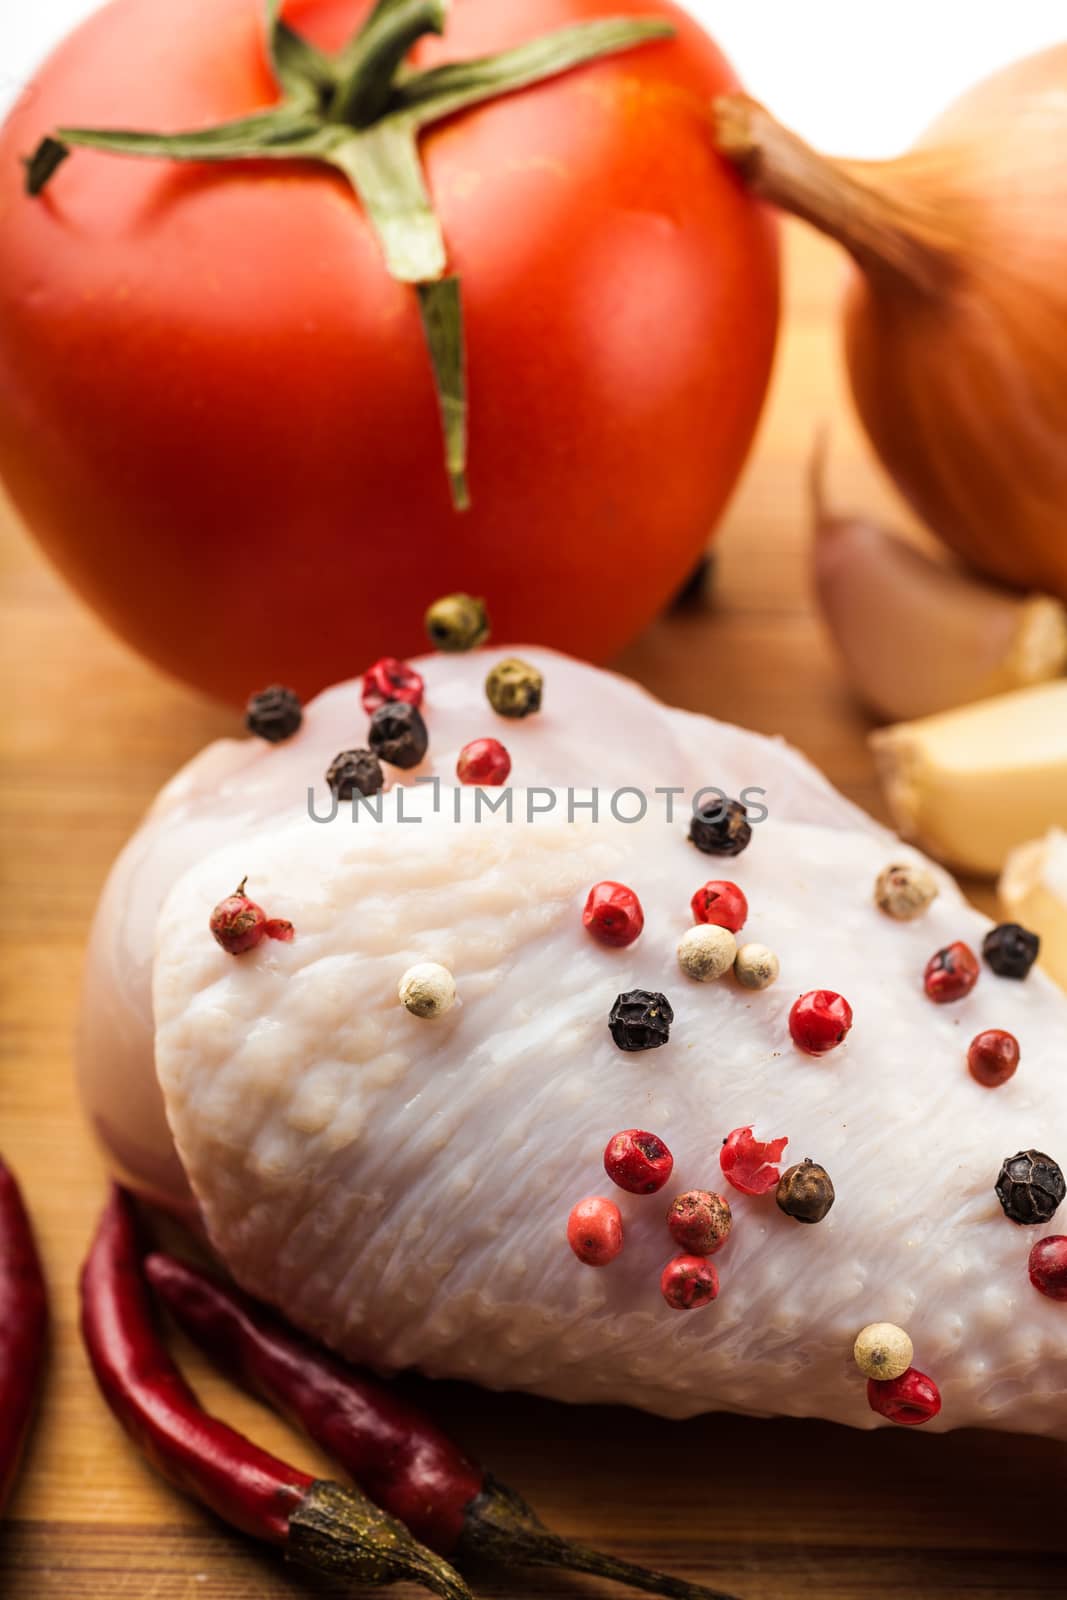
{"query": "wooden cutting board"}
[(803, 1510)]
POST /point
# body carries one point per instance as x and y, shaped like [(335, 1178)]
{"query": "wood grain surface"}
[(805, 1510)]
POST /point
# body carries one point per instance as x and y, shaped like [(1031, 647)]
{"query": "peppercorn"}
[(638, 1162), (640, 1019), (457, 622), (390, 679), (911, 1399), (805, 1192), (749, 1163), (238, 924), (484, 762), (1048, 1267), (904, 890), (613, 914), (427, 989), (1010, 950), (594, 1231), (274, 714), (1030, 1188), (951, 973), (706, 952), (992, 1057), (514, 688), (721, 828), (722, 903), (700, 1222), (883, 1351), (689, 1282), (355, 772), (756, 967), (819, 1020), (398, 734)]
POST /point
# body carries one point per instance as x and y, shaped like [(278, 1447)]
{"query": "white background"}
[(850, 75)]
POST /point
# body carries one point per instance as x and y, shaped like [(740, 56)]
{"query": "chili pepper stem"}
[(332, 1531), (501, 1526)]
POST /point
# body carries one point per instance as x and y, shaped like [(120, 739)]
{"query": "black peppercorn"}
[(805, 1192), (355, 772), (721, 828), (398, 734), (1010, 950), (1030, 1188), (274, 714), (640, 1019)]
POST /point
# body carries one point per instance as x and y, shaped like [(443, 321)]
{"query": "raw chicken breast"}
[(401, 1187)]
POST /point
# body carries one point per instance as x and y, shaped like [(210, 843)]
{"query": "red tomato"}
[(216, 407)]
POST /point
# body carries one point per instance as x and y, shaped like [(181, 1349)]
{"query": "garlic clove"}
[(1033, 891), (918, 636), (973, 784)]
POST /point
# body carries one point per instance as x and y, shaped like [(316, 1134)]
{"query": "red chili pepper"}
[(316, 1523), (396, 1453), (23, 1326)]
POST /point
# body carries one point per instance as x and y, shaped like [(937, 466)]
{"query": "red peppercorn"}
[(238, 924), (688, 1282), (485, 762), (699, 1222), (951, 973), (721, 903), (390, 679), (1048, 1266), (748, 1163), (613, 914), (819, 1021), (992, 1057), (594, 1231), (638, 1162), (911, 1399)]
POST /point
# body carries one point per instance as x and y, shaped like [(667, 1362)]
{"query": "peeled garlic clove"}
[(971, 785), (1033, 891), (918, 636)]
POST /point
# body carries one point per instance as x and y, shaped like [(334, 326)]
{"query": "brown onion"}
[(956, 320)]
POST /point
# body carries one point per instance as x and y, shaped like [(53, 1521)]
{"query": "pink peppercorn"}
[(699, 1222), (721, 903), (594, 1231), (638, 1162), (819, 1021), (911, 1399), (951, 973), (390, 679), (688, 1282), (1048, 1266), (749, 1164), (613, 914), (992, 1057), (238, 924), (484, 762)]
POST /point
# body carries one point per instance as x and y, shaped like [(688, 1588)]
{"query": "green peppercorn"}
[(355, 772), (458, 622), (398, 734), (805, 1192), (274, 714), (514, 688)]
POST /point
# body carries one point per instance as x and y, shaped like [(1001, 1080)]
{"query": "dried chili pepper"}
[(396, 1453), (317, 1523), (23, 1326)]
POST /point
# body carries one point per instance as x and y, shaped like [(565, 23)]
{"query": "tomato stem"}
[(361, 112)]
